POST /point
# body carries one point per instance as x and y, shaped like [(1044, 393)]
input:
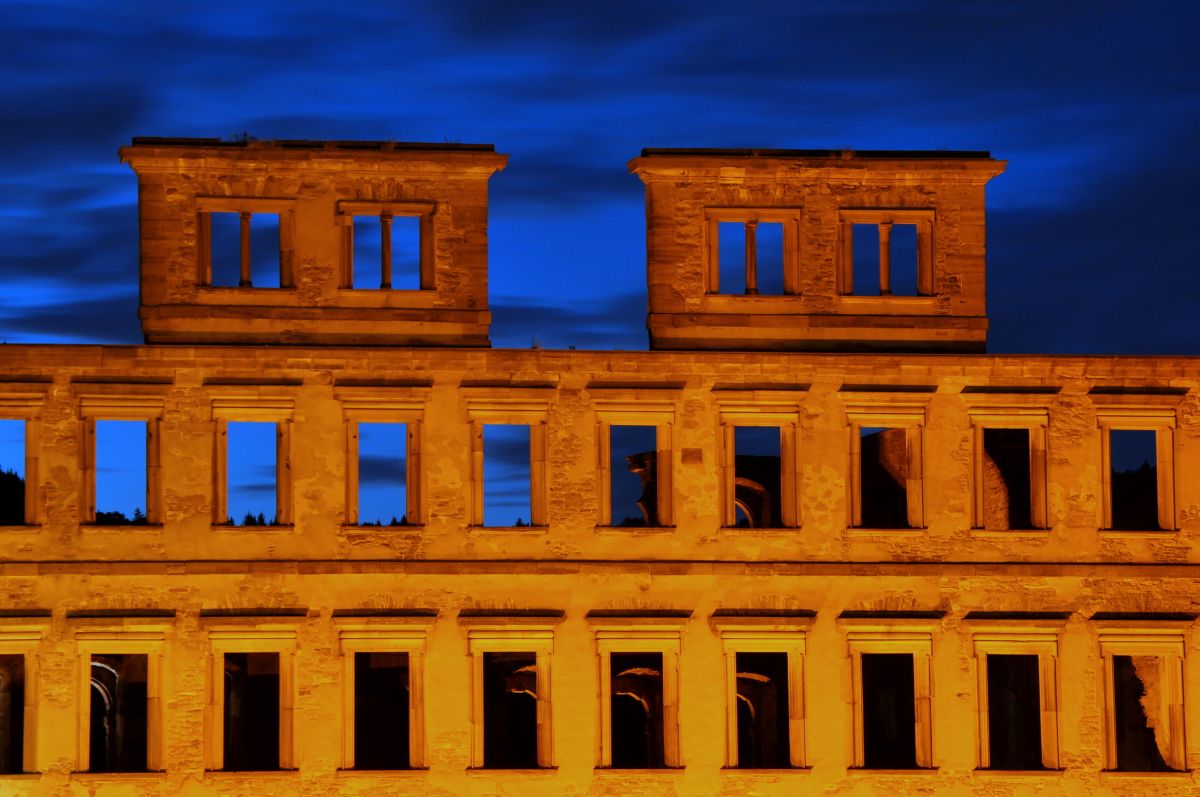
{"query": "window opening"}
[(1007, 491), (634, 472), (1143, 744), (757, 476), (12, 472), (382, 474), (387, 252), (1134, 478), (12, 713), (889, 711), (381, 732), (903, 260), (245, 249), (1014, 712), (118, 724), (637, 710), (507, 483), (762, 711), (866, 260), (121, 472), (251, 711), (750, 257), (252, 485), (885, 259), (510, 699), (884, 477)]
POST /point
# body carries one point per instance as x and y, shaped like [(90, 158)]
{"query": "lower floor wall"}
[(572, 619)]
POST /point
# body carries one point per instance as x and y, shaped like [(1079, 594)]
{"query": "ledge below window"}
[(508, 529), (281, 528), (402, 528), (109, 528), (634, 529)]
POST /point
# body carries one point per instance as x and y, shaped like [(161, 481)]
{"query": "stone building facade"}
[(942, 577)]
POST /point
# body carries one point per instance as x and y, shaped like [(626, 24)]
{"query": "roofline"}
[(837, 154), (307, 144)]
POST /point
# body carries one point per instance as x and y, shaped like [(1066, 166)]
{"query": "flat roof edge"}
[(305, 144), (836, 154)]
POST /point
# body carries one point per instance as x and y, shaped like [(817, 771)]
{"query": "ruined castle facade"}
[(859, 554)]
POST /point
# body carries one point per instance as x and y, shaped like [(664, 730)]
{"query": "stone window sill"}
[(768, 530), (282, 528), (508, 529), (109, 528), (635, 529), (477, 771), (408, 772), (403, 528), (923, 772), (766, 771)]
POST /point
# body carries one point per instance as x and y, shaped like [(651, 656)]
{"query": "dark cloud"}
[(616, 321), (379, 470)]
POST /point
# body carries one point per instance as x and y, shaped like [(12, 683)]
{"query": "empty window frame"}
[(635, 465), (510, 691), (886, 465), (383, 677), (121, 460), (252, 484), (759, 466), (753, 251), (1143, 699), (639, 692), (895, 244), (1009, 467), (251, 695), (18, 469), (20, 640), (764, 690), (120, 697), (891, 697), (383, 459), (508, 463), (387, 245), (1017, 671), (245, 242), (1137, 468)]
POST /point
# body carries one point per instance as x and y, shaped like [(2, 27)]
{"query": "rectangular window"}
[(1007, 495), (383, 689), (12, 472), (1144, 699), (883, 477), (1009, 463), (763, 711), (507, 475), (381, 708), (753, 251), (1137, 467), (121, 468), (1133, 471), (886, 252), (245, 250), (12, 713), (757, 479), (636, 709), (251, 711), (119, 713), (387, 252), (510, 710), (633, 465), (889, 661), (253, 468), (382, 474), (1014, 712)]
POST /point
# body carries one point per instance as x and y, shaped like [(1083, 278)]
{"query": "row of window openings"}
[(245, 250), (120, 706), (1007, 477), (884, 259)]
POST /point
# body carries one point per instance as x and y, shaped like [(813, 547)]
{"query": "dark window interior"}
[(381, 711), (1134, 478), (637, 710), (756, 468), (884, 478), (889, 711), (1007, 498), (633, 468), (510, 710), (762, 711), (1014, 712), (1138, 748), (251, 711), (12, 713), (119, 719)]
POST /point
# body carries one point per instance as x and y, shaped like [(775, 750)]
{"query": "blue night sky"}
[(1096, 106)]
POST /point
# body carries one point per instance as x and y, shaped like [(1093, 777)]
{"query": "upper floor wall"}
[(374, 243), (815, 249)]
